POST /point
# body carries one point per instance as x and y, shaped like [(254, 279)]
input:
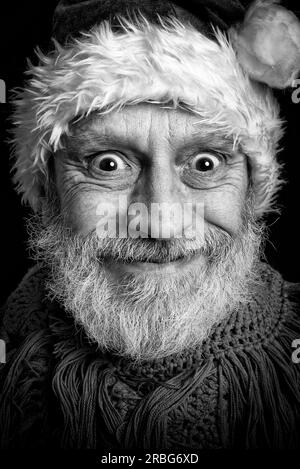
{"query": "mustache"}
[(214, 244)]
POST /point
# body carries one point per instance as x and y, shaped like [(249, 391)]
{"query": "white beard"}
[(148, 316)]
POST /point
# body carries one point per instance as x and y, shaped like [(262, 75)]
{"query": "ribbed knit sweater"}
[(239, 389)]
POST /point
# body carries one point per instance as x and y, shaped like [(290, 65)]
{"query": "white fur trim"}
[(172, 62)]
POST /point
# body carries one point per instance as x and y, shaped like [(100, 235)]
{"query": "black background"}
[(23, 26)]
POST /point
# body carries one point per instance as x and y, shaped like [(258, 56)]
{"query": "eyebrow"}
[(88, 143), (211, 140)]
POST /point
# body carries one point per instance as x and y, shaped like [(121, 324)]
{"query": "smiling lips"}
[(167, 265), (167, 260)]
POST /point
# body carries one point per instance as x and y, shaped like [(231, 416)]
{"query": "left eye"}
[(108, 162), (205, 162)]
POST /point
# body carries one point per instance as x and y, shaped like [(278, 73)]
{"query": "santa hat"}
[(111, 53)]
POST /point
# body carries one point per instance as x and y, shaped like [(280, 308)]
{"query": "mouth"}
[(166, 260), (161, 265)]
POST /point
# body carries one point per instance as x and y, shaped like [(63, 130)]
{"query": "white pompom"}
[(267, 44)]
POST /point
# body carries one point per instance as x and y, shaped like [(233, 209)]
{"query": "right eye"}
[(108, 162)]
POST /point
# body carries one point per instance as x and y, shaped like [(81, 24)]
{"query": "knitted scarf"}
[(239, 389)]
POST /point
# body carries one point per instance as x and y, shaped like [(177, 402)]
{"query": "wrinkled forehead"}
[(144, 125)]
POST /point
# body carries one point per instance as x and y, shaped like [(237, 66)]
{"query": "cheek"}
[(81, 213), (223, 207), (90, 211), (224, 211)]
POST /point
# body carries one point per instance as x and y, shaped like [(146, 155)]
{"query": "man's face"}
[(150, 155), (149, 297)]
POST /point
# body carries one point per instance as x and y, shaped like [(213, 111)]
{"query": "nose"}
[(162, 202)]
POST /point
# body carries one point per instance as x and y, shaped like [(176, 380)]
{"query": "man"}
[(137, 329)]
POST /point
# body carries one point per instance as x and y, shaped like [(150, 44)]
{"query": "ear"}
[(267, 44)]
